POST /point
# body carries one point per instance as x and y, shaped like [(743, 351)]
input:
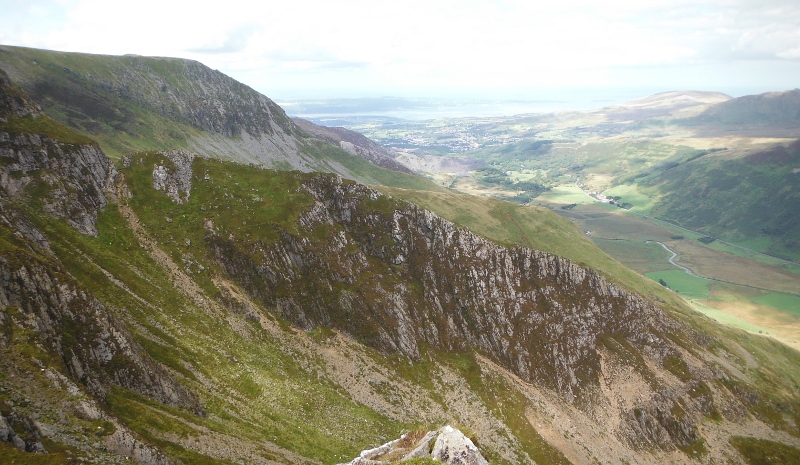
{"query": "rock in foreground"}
[(446, 445)]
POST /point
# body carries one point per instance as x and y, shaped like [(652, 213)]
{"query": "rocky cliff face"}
[(96, 348), (73, 182), (190, 92), (75, 178), (399, 278)]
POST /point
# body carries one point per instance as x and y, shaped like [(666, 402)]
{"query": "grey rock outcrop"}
[(450, 447), (454, 448), (175, 181), (75, 180), (537, 314), (7, 434)]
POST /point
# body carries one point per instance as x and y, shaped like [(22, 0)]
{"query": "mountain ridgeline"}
[(132, 103), (174, 308)]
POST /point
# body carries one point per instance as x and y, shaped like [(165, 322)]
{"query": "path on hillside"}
[(179, 278)]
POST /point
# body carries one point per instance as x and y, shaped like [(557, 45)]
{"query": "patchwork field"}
[(748, 290)]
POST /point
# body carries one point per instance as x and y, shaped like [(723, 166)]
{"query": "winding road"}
[(672, 260), (673, 225)]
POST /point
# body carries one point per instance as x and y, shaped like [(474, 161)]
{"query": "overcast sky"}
[(480, 48)]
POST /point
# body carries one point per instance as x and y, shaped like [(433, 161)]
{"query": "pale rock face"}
[(450, 447), (176, 183), (80, 178)]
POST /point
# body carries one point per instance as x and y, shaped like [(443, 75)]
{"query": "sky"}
[(502, 49)]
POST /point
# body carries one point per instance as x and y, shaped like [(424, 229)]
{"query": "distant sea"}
[(335, 110)]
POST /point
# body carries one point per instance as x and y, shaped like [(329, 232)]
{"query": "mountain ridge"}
[(131, 103), (765, 109)]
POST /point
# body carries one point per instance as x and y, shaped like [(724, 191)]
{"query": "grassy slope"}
[(769, 109), (264, 201), (261, 200), (737, 200), (250, 384)]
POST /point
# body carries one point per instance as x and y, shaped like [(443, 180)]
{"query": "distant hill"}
[(663, 104), (735, 199), (769, 109), (355, 143)]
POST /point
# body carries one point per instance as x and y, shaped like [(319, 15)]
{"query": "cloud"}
[(421, 43), (234, 42)]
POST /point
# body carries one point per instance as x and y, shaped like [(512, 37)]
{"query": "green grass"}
[(683, 283), (784, 302), (764, 452), (756, 243), (57, 454), (630, 194), (45, 126), (566, 194), (640, 256)]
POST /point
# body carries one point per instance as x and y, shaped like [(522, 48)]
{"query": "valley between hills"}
[(712, 177), (188, 275)]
